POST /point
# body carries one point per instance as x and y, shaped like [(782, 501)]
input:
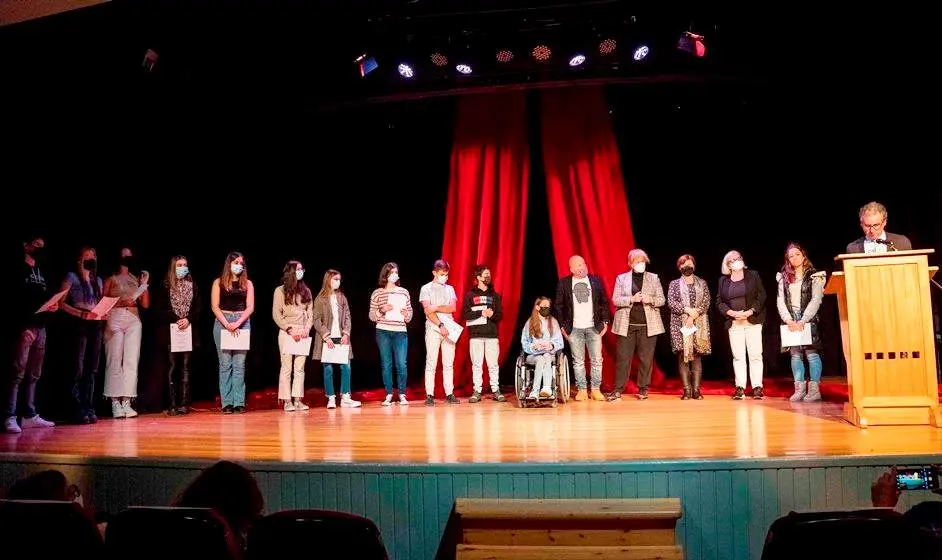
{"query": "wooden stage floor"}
[(662, 428)]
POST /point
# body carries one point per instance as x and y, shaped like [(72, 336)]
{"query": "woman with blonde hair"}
[(541, 339), (740, 298), (332, 324), (233, 302), (689, 300), (292, 310)]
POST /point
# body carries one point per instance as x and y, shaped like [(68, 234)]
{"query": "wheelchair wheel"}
[(518, 382), (562, 379)]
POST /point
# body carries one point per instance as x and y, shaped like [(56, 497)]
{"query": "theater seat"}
[(170, 532), (873, 533), (326, 534), (44, 529)]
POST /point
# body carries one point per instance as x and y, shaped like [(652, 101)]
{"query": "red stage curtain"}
[(586, 191), (486, 214)]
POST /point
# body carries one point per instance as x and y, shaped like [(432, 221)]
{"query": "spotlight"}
[(576, 60), (641, 52), (463, 68), (607, 46), (504, 56), (438, 59), (406, 71), (692, 43), (542, 53)]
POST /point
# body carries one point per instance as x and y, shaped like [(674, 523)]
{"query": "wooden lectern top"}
[(914, 252)]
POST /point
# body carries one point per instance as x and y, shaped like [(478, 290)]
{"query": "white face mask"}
[(737, 265), (394, 277), (443, 279), (638, 267), (335, 284)]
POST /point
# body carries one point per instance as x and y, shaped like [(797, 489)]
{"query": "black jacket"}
[(563, 310), (491, 299), (755, 298), (165, 314)]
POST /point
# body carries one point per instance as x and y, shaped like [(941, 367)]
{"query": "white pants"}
[(746, 340), (433, 342), (543, 373), (122, 352), (485, 349), (289, 388)]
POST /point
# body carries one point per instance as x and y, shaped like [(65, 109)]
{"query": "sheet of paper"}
[(454, 330), (181, 340), (237, 341), (685, 331), (799, 338), (104, 306), (482, 320), (299, 348), (52, 300), (398, 301), (140, 290), (339, 354)]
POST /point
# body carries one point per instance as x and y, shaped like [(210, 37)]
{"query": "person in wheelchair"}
[(541, 339)]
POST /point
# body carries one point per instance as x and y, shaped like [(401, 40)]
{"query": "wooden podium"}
[(886, 330)]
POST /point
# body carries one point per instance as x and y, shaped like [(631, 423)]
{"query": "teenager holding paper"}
[(332, 324), (84, 292), (292, 310), (800, 291), (178, 307), (483, 311), (233, 301), (30, 349), (123, 334), (439, 301), (391, 310)]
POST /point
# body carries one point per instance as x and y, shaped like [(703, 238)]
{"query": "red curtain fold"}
[(485, 219), (586, 193)]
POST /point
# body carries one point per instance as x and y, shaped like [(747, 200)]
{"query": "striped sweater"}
[(380, 298)]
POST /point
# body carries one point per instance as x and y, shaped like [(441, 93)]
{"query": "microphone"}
[(889, 244)]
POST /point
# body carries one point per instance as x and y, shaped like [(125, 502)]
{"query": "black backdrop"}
[(201, 168)]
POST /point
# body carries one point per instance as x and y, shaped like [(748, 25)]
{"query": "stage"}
[(736, 465)]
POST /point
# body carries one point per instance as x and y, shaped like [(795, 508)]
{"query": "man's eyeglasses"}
[(871, 227)]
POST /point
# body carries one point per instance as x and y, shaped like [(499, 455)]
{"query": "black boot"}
[(172, 411), (688, 394), (184, 406), (697, 376)]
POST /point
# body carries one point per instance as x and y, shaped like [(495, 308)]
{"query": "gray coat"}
[(324, 317)]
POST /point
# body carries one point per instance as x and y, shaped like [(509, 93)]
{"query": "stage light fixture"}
[(641, 52), (463, 68), (607, 46), (438, 59), (406, 71), (576, 60), (692, 43), (504, 56), (542, 53)]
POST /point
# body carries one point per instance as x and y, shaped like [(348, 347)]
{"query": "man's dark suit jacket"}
[(899, 243)]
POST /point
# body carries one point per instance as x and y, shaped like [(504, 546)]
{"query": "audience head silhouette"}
[(230, 490)]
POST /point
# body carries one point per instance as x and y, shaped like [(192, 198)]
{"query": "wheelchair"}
[(523, 382)]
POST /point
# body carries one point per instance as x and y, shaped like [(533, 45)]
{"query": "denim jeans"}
[(393, 345), (578, 340), (231, 365), (87, 348), (27, 361), (329, 378), (798, 363)]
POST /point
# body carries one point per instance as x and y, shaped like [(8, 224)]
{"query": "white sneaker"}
[(37, 422), (402, 400), (332, 401), (289, 406), (128, 411), (10, 426), (298, 405), (117, 409), (533, 395), (347, 402), (388, 400)]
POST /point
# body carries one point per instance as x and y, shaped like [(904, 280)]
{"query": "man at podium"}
[(876, 239)]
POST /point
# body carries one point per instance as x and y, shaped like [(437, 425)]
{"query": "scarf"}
[(181, 296), (699, 341)]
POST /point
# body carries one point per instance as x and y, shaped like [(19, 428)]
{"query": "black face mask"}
[(545, 311), (486, 280), (36, 253), (686, 270)]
